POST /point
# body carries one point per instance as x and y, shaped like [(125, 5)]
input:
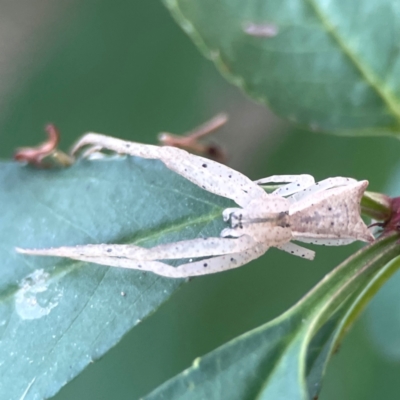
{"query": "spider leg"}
[(203, 267), (209, 175), (295, 183), (213, 246), (321, 186), (297, 250), (93, 151), (220, 263), (333, 241)]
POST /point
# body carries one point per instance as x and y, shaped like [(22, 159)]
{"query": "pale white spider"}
[(326, 212)]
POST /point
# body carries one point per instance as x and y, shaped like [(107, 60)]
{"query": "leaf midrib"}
[(289, 341)]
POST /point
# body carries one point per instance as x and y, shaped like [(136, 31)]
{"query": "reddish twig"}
[(191, 140), (35, 155)]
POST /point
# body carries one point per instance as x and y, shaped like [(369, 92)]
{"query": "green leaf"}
[(382, 325), (327, 65), (286, 358), (58, 316)]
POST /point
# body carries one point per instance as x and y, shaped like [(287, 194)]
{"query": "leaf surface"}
[(327, 65), (57, 316), (286, 358)]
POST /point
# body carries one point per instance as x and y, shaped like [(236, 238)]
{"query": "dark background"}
[(127, 70)]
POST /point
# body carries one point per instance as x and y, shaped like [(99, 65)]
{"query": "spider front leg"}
[(203, 267), (225, 254), (194, 248), (207, 174)]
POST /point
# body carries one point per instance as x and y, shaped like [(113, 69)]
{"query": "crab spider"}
[(326, 212)]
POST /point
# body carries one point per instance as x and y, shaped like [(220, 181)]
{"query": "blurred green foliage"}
[(329, 66), (127, 70)]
